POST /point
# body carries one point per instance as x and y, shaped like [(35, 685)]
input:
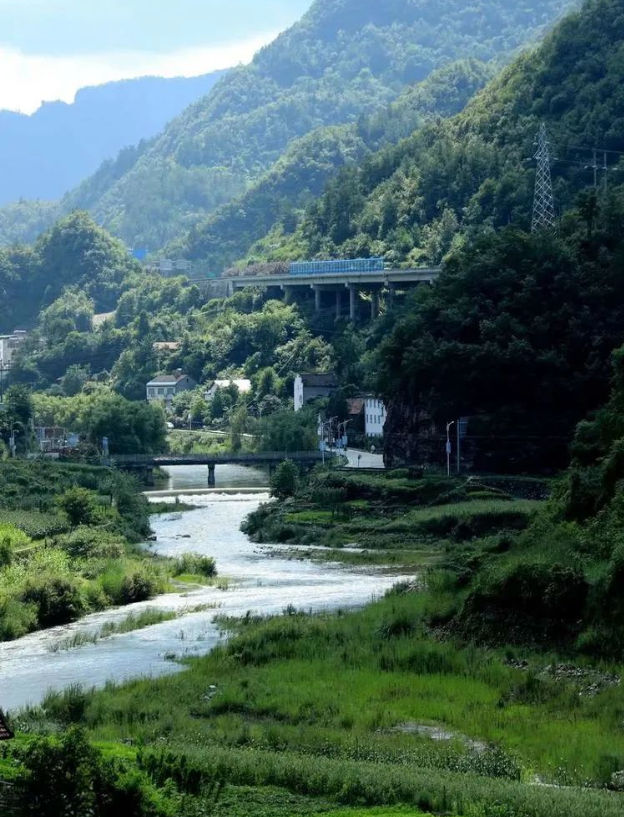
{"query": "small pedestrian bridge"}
[(145, 463)]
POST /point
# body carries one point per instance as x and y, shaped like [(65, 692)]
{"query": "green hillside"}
[(75, 253), (452, 179), (277, 199), (344, 59), (518, 333)]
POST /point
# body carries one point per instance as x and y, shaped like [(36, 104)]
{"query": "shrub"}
[(58, 600), (68, 777), (11, 539), (137, 586), (545, 598), (79, 505), (195, 565), (89, 543), (16, 619), (400, 625), (285, 480)]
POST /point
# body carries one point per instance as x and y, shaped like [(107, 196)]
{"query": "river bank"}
[(311, 708), (260, 579)]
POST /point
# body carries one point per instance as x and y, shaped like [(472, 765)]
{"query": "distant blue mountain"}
[(44, 155)]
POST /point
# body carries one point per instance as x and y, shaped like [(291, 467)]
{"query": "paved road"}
[(367, 460)]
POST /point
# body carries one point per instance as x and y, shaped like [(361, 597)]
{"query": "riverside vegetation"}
[(487, 687), (70, 545)]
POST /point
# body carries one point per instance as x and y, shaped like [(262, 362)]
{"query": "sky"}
[(51, 48)]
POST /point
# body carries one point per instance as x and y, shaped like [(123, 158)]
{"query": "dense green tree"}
[(79, 505), (288, 431), (74, 380), (517, 335), (131, 427), (285, 480)]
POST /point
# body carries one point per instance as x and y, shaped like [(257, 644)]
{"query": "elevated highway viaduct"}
[(343, 288)]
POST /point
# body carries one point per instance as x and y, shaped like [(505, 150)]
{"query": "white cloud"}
[(28, 80)]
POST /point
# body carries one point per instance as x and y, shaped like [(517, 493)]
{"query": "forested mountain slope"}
[(519, 331), (344, 59), (277, 199), (457, 177), (44, 155)]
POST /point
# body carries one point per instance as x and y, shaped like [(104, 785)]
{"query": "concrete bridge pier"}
[(353, 296), (212, 478), (318, 298), (375, 303)]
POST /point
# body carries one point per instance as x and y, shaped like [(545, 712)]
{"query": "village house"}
[(9, 345), (375, 416), (310, 387), (167, 346), (166, 386)]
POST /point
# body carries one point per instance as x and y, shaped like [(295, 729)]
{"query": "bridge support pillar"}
[(289, 294), (353, 293), (212, 479), (374, 304), (318, 298), (338, 304), (391, 297)]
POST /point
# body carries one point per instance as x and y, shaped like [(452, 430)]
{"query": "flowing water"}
[(263, 579)]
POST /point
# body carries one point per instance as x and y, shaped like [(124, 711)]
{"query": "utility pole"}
[(544, 219), (449, 447), (327, 425), (4, 368)]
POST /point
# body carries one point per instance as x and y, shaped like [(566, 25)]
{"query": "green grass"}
[(386, 527), (332, 687), (311, 715), (35, 524), (131, 623), (399, 811)]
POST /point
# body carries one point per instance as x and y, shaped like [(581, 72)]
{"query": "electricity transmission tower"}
[(544, 203)]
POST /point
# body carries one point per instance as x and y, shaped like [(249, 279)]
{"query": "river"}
[(262, 580)]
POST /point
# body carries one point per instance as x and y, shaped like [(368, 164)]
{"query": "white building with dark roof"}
[(166, 386), (310, 387)]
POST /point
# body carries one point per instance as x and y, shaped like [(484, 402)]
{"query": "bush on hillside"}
[(91, 543), (58, 599), (527, 599), (68, 777), (11, 539), (79, 506)]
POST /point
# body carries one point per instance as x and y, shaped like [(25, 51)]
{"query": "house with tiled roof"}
[(166, 386)]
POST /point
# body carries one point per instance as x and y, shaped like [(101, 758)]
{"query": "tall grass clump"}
[(193, 564)]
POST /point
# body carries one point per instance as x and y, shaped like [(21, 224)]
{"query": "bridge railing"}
[(216, 459)]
